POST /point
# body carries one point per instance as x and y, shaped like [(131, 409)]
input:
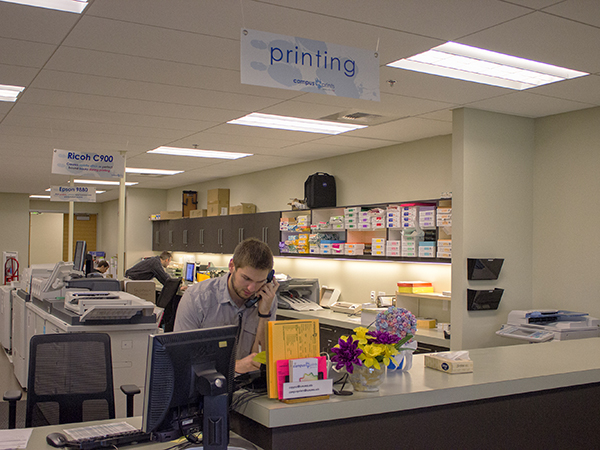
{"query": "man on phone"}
[(231, 300)]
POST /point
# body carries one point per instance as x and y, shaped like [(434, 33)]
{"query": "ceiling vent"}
[(359, 117)]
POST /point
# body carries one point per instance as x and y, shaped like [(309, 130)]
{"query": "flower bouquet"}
[(374, 349), (402, 323)]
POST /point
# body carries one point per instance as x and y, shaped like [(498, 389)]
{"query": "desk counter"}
[(329, 317), (513, 372)]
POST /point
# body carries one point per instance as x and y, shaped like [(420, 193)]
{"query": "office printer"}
[(107, 305), (545, 325), (300, 294)]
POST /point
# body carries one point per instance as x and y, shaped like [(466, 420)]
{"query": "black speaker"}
[(319, 190)]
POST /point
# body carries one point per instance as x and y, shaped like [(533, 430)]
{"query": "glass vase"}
[(367, 379)]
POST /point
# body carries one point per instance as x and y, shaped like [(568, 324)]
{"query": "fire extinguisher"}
[(11, 270)]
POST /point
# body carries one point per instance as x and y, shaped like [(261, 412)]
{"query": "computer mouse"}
[(57, 439)]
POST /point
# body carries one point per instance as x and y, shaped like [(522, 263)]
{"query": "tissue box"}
[(448, 365)]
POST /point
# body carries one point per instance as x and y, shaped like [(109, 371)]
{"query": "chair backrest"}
[(70, 379), (169, 291)]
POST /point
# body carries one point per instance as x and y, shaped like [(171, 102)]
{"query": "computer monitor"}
[(189, 380), (79, 256), (190, 272)]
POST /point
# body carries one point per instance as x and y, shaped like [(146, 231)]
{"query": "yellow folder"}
[(289, 339)]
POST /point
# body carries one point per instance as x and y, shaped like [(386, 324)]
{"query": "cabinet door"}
[(217, 235), (160, 235), (262, 226), (183, 235)]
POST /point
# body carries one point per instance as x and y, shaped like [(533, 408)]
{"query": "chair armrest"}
[(130, 389), (13, 396)]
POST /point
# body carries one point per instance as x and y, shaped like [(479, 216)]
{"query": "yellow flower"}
[(360, 335), (370, 354)]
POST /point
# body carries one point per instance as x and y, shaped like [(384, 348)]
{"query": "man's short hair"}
[(253, 253), (165, 255), (102, 263)]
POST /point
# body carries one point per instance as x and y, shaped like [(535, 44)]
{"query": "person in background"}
[(153, 267), (102, 267), (225, 301)]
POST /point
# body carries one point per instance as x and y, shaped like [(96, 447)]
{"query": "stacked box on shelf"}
[(378, 218), (393, 216), (444, 248), (410, 243), (393, 248), (427, 217), (409, 216), (414, 287), (337, 223), (354, 249), (351, 217), (337, 248), (427, 249), (326, 246), (444, 217), (378, 247)]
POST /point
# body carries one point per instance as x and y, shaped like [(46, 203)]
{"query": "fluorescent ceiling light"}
[(152, 171), (9, 93), (295, 124), (39, 196), (107, 183), (74, 6), (463, 62), (178, 151)]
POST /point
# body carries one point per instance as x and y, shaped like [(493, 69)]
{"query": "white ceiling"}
[(137, 74)]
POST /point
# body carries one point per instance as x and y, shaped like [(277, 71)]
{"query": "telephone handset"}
[(252, 301)]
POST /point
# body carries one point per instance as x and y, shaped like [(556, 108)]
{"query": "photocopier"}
[(549, 324)]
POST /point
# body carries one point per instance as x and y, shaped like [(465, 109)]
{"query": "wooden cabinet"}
[(219, 234)]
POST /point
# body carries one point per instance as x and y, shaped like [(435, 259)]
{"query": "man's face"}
[(102, 269), (165, 262), (247, 280)]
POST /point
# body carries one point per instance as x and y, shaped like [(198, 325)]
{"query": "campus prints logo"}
[(274, 60)]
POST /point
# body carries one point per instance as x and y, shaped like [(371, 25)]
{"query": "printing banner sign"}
[(88, 164), (299, 64), (73, 194)]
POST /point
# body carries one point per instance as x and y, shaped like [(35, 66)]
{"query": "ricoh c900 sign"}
[(299, 64), (88, 164)]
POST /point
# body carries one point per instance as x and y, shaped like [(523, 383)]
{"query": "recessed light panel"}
[(74, 6), (9, 93), (295, 124), (463, 62), (151, 171), (105, 183), (178, 151)]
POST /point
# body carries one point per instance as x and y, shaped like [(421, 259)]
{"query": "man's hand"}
[(247, 364), (267, 294)]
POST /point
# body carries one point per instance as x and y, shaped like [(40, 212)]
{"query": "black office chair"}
[(168, 292), (70, 380)]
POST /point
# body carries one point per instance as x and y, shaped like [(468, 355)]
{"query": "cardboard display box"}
[(199, 213), (167, 215), (218, 202), (244, 208)]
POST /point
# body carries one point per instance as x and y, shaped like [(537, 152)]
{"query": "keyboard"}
[(110, 441)]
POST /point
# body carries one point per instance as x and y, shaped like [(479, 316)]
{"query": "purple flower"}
[(383, 337), (345, 354)]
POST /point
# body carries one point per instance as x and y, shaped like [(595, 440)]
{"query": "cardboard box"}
[(199, 213), (448, 365), (244, 208), (218, 202), (168, 215), (426, 323)]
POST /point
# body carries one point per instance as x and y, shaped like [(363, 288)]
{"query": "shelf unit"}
[(365, 236)]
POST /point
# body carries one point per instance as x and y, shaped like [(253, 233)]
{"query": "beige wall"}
[(566, 250), (383, 175), (14, 226), (492, 217), (46, 241)]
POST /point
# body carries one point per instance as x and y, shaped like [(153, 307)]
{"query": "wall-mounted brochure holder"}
[(482, 300), (484, 268)]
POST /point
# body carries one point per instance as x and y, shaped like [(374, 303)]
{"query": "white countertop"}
[(329, 317), (498, 371)]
